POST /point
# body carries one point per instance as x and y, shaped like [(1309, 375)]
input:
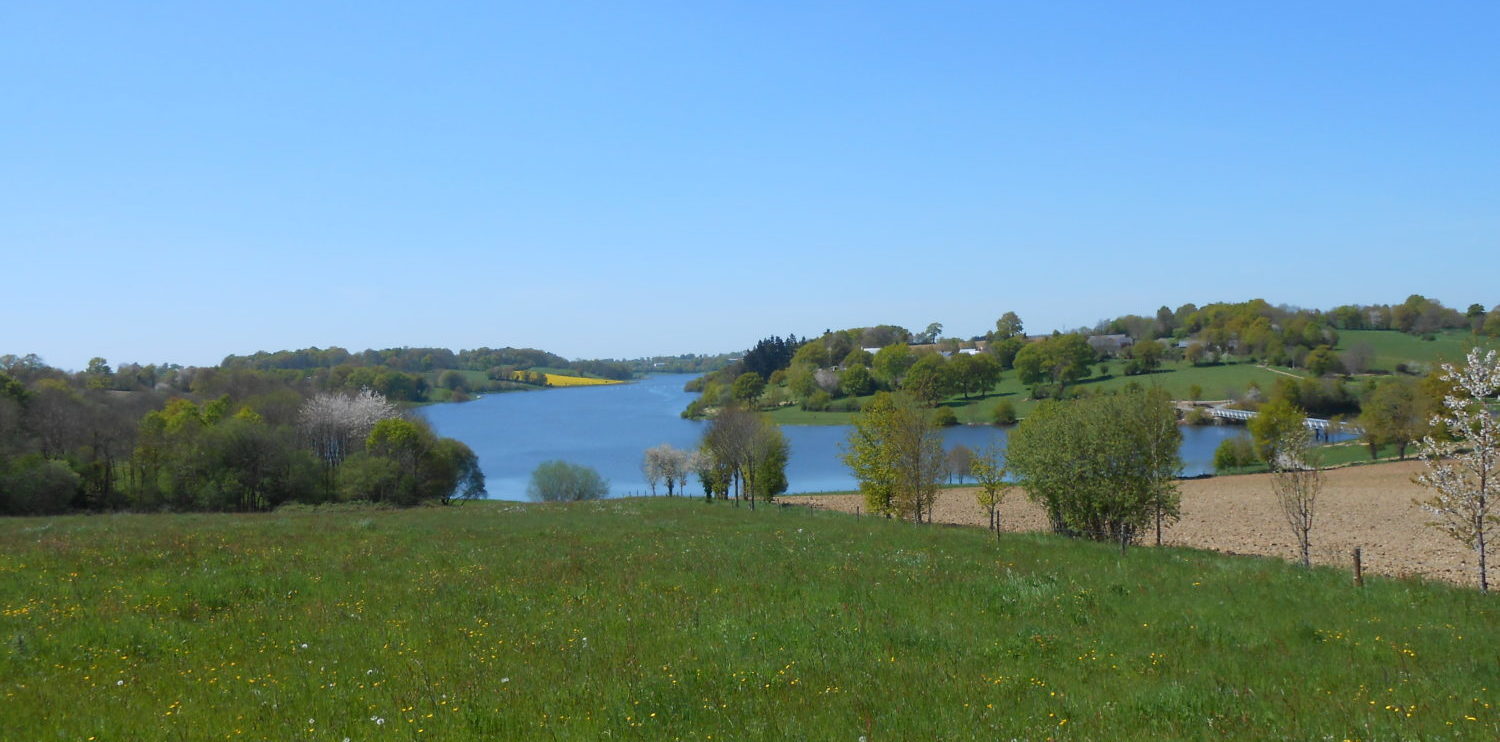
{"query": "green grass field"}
[(1393, 347), (675, 619)]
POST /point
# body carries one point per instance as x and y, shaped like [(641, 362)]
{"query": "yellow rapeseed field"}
[(556, 380)]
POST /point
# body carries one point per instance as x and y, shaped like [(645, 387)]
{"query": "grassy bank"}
[(682, 620)]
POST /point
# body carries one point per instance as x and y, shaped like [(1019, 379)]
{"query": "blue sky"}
[(187, 180)]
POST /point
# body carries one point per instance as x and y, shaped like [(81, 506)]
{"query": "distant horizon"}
[(187, 181), (1030, 330)]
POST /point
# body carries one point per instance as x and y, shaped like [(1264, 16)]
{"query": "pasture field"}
[(1392, 347), (670, 619)]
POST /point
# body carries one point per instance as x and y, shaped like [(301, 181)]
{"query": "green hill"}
[(1391, 347), (676, 619)]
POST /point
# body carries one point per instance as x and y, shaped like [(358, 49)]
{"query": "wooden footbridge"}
[(1318, 425)]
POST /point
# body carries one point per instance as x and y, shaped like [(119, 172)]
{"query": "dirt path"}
[(1366, 506)]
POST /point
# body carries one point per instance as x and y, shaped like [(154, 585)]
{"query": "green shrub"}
[(560, 481), (817, 401), (1234, 453)]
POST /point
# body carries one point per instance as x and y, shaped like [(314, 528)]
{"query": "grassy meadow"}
[(1391, 348), (676, 619)]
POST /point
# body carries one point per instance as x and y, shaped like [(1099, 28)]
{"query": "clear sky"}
[(181, 181)]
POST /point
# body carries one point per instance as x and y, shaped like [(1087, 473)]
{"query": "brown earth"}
[(1370, 507)]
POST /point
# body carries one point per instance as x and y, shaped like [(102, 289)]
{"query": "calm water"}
[(610, 427)]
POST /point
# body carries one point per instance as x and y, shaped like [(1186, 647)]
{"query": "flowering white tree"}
[(667, 464), (1462, 469), (335, 422)]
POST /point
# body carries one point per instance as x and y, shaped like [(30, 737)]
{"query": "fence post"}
[(1359, 570)]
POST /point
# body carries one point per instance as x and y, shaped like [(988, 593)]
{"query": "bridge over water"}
[(1318, 425)]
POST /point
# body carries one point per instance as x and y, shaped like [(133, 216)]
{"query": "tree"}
[(1145, 357), (747, 387), (711, 474), (751, 450), (857, 357), (931, 334), (1274, 426), (1005, 351), (1462, 470), (333, 422), (561, 481), (32, 485), (456, 473), (453, 380), (993, 488), (1061, 359), (1394, 412), (975, 373), (770, 354), (1005, 413), (1166, 322), (1234, 453), (1102, 466), (929, 378), (651, 469), (801, 378), (666, 463), (1358, 357), (1322, 361), (1297, 481), (896, 453), (98, 374), (959, 463), (1008, 326), (408, 444), (892, 362), (765, 471), (857, 381), (1152, 420)]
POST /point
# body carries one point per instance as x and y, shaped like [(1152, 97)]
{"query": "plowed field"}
[(1370, 507)]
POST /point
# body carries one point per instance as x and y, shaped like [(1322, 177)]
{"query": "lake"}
[(610, 427)]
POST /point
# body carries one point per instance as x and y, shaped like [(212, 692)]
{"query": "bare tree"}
[(1462, 469), (1358, 357), (959, 463), (1297, 481)]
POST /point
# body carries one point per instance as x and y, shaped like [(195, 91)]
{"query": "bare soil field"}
[(1370, 507)]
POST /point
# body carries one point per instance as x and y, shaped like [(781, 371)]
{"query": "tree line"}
[(211, 439)]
